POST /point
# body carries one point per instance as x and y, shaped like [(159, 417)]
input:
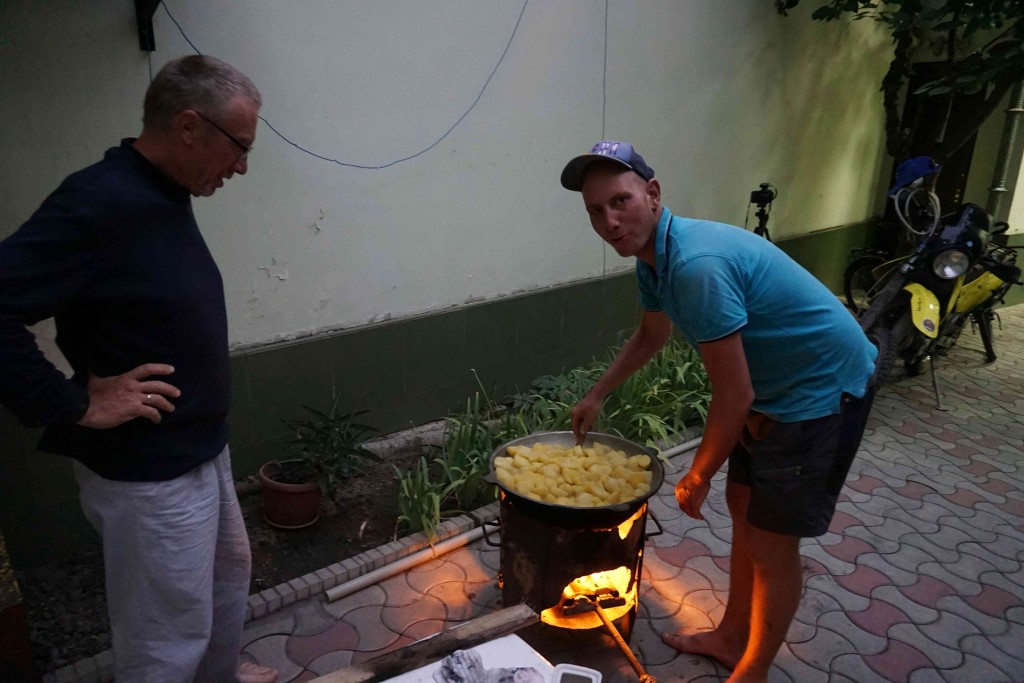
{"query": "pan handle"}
[(654, 518), (487, 534)]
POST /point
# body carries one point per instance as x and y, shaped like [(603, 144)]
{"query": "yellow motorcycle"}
[(920, 303)]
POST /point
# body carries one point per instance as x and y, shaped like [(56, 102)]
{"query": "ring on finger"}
[(145, 402)]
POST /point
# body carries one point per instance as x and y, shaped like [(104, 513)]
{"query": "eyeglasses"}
[(241, 145)]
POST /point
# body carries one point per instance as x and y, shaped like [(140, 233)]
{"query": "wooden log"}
[(435, 648)]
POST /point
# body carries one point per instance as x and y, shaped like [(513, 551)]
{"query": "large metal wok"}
[(571, 515)]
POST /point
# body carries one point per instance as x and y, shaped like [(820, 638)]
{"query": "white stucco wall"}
[(719, 96)]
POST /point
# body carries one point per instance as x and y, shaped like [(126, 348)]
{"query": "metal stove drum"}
[(579, 568)]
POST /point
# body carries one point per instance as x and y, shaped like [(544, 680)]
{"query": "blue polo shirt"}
[(803, 348)]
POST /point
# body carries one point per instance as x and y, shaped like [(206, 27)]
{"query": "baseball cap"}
[(911, 170), (606, 150)]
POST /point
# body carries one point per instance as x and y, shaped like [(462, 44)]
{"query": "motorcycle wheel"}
[(882, 338), (983, 319), (859, 281)]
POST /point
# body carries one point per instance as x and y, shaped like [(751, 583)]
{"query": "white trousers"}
[(177, 565)]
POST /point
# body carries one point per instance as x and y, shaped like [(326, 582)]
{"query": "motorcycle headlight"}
[(951, 264)]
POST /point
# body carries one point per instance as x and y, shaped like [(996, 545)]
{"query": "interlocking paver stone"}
[(272, 649), (833, 564), (367, 621), (930, 545), (717, 541), (989, 553), (304, 649), (847, 668), (707, 568), (874, 540), (848, 600), (919, 613), (796, 668), (814, 603), (330, 662), (976, 669), (898, 575), (278, 623), (423, 577), (800, 632), (431, 607), (452, 594), (863, 580), (940, 655), (862, 641), (897, 662), (976, 534), (654, 605)]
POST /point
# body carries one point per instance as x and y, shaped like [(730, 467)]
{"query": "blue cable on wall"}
[(281, 135)]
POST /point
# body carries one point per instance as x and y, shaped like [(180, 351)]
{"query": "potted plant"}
[(328, 449)]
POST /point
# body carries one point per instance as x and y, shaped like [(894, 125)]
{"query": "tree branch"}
[(896, 142)]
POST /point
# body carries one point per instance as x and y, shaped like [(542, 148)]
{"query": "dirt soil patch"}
[(66, 600)]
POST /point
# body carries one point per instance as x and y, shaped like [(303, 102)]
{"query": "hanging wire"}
[(604, 73), (281, 135), (604, 106)]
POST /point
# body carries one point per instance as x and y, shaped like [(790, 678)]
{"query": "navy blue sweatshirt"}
[(116, 257)]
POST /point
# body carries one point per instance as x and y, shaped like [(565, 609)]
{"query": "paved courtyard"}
[(919, 579)]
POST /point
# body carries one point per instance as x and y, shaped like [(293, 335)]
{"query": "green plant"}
[(330, 447), (419, 499), (658, 401), (656, 404), (468, 442)]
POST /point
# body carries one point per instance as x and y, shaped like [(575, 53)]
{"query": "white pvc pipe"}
[(401, 565), (682, 448)]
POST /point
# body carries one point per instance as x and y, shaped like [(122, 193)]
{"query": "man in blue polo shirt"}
[(790, 371)]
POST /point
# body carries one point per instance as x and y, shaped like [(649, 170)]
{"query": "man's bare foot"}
[(707, 642), (254, 673)]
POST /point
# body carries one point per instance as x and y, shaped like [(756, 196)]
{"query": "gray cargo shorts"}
[(795, 470)]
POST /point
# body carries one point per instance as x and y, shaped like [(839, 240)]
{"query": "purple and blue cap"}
[(606, 150), (913, 170)]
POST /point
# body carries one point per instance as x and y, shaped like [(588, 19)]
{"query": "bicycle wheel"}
[(859, 281)]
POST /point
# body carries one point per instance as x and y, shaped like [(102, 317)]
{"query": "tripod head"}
[(764, 196)]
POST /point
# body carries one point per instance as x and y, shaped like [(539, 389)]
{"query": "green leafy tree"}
[(983, 41)]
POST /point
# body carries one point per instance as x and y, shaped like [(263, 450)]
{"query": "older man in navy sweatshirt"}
[(116, 257)]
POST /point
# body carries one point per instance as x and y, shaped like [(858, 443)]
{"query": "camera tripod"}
[(762, 198)]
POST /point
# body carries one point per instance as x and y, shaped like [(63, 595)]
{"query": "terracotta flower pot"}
[(288, 506)]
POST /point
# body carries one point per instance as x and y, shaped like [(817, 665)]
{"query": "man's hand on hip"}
[(116, 400)]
